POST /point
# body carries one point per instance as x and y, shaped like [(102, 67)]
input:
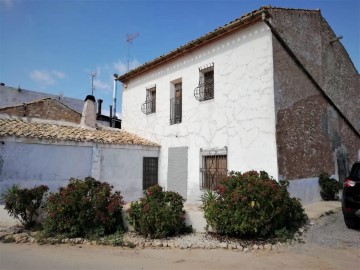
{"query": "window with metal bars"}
[(150, 172), (149, 106), (213, 167), (205, 89), (176, 104)]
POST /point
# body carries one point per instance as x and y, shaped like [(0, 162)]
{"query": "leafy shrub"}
[(84, 208), (329, 187), (24, 203), (252, 204), (158, 213)]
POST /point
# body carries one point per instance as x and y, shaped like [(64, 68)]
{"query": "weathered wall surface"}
[(31, 162), (44, 109), (241, 115), (10, 96), (309, 36), (311, 136), (123, 168)]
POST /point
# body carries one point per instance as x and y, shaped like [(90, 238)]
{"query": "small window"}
[(149, 106), (213, 167), (205, 89), (150, 172)]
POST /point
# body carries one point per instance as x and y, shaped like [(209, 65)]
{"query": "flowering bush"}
[(24, 203), (158, 213), (329, 187), (84, 208), (251, 204)]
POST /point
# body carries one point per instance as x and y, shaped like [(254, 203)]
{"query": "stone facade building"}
[(273, 90), (46, 108)]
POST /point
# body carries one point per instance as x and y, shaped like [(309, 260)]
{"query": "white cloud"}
[(99, 84), (7, 3), (46, 77), (58, 74), (121, 67)]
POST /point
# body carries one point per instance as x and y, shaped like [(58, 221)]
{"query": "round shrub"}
[(252, 204), (24, 203), (84, 208), (329, 187), (158, 213)]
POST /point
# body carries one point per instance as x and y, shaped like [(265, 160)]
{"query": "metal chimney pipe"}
[(111, 115), (100, 101), (114, 95)]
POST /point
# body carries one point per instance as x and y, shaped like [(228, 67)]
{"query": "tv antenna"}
[(93, 75), (129, 40)]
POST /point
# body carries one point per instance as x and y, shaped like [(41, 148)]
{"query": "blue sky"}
[(54, 45)]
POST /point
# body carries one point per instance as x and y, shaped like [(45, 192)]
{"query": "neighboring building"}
[(46, 108), (10, 96), (274, 90), (37, 151), (21, 102)]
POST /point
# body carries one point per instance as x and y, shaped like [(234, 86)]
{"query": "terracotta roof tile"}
[(42, 130)]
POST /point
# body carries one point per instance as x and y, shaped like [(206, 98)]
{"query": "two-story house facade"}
[(247, 97)]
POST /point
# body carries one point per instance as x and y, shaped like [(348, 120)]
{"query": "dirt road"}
[(329, 245)]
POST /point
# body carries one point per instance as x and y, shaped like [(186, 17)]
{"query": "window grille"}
[(213, 167), (149, 106), (205, 89), (150, 172)]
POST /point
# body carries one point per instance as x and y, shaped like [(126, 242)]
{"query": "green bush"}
[(84, 208), (252, 204), (329, 187), (158, 213), (24, 203)]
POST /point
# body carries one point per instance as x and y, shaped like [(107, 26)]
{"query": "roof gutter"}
[(283, 43), (218, 33)]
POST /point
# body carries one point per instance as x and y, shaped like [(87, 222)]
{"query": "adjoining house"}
[(273, 90), (21, 102), (37, 151), (47, 108), (11, 96)]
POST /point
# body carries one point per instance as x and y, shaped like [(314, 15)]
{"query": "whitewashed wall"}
[(241, 116), (31, 162)]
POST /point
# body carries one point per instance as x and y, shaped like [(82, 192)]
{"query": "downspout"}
[(265, 18), (114, 96)]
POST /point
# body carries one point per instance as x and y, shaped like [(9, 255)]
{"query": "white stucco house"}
[(272, 90)]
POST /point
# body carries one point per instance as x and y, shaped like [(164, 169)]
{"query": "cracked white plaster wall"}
[(241, 116)]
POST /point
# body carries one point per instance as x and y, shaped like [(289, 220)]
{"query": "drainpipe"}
[(111, 115), (265, 18), (114, 95)]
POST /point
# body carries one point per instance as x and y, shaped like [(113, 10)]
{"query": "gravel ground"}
[(328, 245), (330, 231)]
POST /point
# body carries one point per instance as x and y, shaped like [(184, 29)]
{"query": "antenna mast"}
[(93, 75), (129, 40)]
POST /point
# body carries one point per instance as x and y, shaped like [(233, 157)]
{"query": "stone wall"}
[(10, 96), (312, 136), (45, 109), (309, 36)]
